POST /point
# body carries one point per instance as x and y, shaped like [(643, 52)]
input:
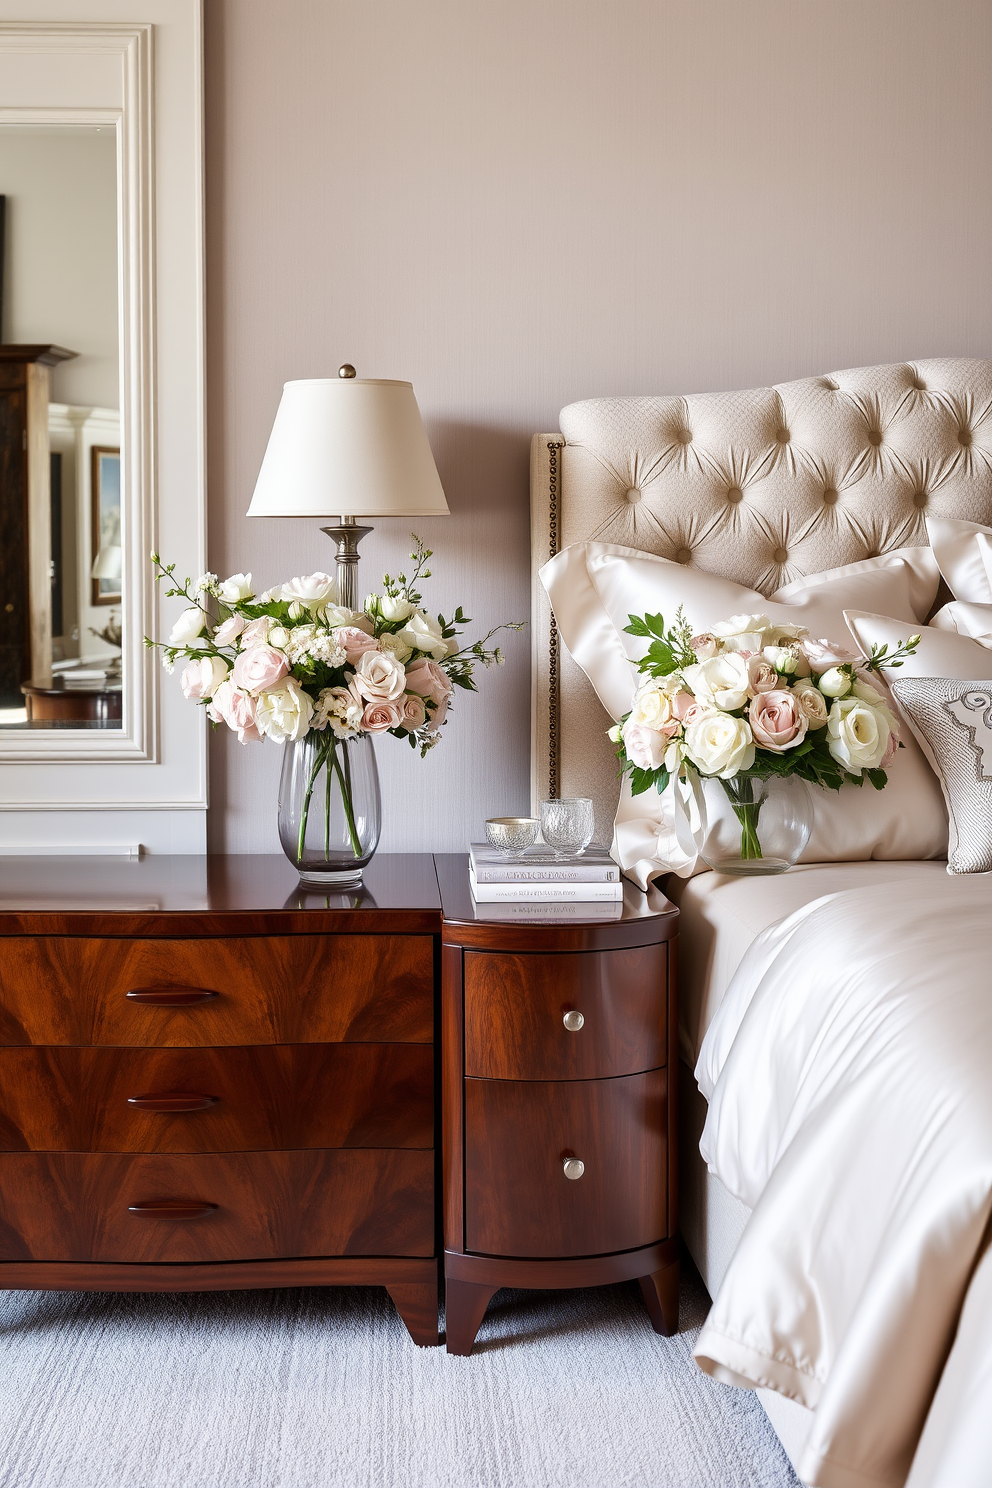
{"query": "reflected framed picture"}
[(106, 526)]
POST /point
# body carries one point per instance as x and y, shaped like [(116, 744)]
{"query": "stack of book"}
[(537, 877)]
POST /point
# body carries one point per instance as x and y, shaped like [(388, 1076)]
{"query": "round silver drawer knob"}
[(573, 1021), (573, 1168)]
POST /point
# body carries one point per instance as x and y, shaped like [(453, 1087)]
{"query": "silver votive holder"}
[(512, 834)]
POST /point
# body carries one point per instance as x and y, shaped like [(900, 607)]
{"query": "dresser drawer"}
[(518, 1200), (77, 1206), (65, 1099), (516, 1007), (253, 990)]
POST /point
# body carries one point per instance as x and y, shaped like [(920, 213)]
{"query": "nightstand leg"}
[(464, 1308), (661, 1298), (416, 1303)]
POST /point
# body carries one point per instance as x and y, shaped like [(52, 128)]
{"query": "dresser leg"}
[(465, 1307), (661, 1298), (416, 1303)]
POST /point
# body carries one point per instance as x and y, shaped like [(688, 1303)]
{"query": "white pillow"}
[(963, 551), (974, 620), (595, 587)]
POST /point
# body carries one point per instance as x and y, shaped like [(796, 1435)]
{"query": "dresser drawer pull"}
[(573, 1021), (171, 1209), (170, 996), (573, 1168), (173, 1100)]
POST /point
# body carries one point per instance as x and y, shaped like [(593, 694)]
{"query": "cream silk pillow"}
[(963, 551), (594, 587)]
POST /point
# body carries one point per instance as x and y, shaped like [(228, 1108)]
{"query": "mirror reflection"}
[(60, 429)]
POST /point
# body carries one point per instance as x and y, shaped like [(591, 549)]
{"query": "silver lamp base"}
[(347, 535)]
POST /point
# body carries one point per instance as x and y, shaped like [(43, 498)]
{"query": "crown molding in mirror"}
[(137, 67)]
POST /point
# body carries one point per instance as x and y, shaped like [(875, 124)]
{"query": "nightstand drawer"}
[(252, 990), (519, 1200), (62, 1099), (565, 1017), (253, 1206)]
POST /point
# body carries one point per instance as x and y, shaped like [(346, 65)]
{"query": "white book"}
[(544, 893), (544, 913), (539, 865)]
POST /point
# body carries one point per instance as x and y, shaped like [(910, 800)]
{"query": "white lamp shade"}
[(348, 447), (107, 563)]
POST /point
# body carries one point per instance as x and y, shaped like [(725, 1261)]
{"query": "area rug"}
[(323, 1389)]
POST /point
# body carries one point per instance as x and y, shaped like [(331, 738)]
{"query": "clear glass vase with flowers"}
[(293, 666), (745, 708)]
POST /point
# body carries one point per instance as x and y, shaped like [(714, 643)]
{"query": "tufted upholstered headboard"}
[(763, 486)]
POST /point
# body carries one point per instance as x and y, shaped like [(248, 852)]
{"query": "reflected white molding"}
[(115, 70)]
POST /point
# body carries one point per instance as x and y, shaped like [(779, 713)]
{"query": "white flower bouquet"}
[(291, 664), (752, 699)]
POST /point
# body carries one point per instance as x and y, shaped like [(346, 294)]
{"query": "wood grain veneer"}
[(515, 1007), (238, 1099), (518, 1201), (270, 989), (75, 1206)]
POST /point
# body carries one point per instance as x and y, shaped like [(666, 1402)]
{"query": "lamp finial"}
[(347, 370)]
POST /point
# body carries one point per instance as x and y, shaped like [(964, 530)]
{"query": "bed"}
[(768, 486)]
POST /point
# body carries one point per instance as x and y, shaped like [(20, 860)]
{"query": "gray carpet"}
[(323, 1389)]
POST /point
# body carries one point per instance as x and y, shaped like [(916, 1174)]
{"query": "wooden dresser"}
[(559, 1035), (212, 1079)]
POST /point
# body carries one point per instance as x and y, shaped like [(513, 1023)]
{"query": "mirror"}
[(61, 493)]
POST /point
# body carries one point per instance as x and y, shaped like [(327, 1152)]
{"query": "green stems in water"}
[(741, 793), (326, 758)]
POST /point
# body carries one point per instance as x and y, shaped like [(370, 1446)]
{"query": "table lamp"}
[(346, 447)]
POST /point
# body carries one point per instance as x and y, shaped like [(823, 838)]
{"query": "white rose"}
[(782, 658), (337, 615), (236, 588), (284, 711), (857, 734), (741, 625), (396, 646), (645, 747), (393, 606), (834, 683), (189, 625), (313, 591), (279, 637), (421, 633), (615, 733), (809, 700), (721, 682), (873, 695), (718, 744), (652, 708), (379, 677)]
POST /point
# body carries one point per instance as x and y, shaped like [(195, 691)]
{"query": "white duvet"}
[(849, 1076)]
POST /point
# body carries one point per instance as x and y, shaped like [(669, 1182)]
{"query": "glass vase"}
[(754, 826), (329, 808)]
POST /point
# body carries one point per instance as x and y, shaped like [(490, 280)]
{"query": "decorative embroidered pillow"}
[(955, 719), (595, 587)]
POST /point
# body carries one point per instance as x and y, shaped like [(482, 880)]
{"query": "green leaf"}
[(878, 778)]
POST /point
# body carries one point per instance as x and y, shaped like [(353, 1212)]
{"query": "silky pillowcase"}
[(595, 587), (945, 691)]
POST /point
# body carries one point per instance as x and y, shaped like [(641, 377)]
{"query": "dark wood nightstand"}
[(559, 1053)]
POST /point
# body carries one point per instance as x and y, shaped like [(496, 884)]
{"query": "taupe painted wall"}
[(519, 203)]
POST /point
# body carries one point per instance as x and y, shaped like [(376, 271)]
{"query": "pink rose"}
[(776, 721), (382, 714), (822, 655), (260, 667), (761, 675), (237, 710), (414, 712), (228, 633), (681, 703), (438, 716), (694, 712), (256, 632), (645, 746), (705, 646), (379, 677), (429, 680), (354, 642), (200, 679)]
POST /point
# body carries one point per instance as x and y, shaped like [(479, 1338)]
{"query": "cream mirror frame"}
[(137, 67)]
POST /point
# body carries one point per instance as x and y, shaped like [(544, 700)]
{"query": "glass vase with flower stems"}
[(330, 810)]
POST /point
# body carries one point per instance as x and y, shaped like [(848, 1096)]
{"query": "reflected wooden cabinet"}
[(25, 517), (558, 1104)]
